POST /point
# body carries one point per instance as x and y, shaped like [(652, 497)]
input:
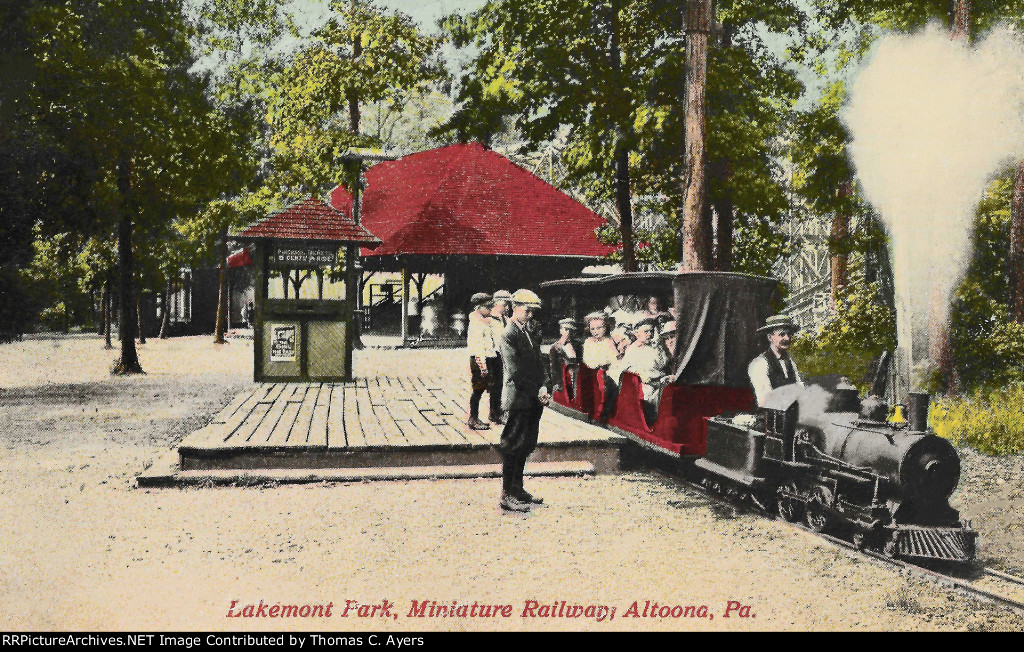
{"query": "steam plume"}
[(932, 121)]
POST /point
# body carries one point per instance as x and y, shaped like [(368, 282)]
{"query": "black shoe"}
[(498, 420), (512, 504), (477, 424), (525, 496)]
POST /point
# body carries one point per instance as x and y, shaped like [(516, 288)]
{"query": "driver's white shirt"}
[(758, 372)]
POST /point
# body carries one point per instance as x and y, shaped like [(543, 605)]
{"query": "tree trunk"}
[(623, 130), (940, 350), (97, 304), (1015, 262), (353, 96), (724, 214), (695, 234), (128, 363), (222, 284), (165, 318), (960, 23), (103, 309), (139, 316), (108, 299), (623, 201)]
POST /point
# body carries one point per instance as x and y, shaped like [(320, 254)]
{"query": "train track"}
[(985, 587)]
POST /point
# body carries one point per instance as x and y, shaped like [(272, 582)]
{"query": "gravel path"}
[(84, 549)]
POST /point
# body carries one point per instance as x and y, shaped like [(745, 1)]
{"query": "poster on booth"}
[(282, 342)]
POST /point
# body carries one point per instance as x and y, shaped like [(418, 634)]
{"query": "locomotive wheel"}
[(816, 513), (815, 516), (789, 507)]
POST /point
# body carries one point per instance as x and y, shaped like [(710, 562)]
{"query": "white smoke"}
[(932, 120)]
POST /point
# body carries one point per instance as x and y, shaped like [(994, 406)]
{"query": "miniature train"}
[(824, 456)]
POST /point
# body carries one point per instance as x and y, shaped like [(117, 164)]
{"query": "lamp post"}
[(352, 265)]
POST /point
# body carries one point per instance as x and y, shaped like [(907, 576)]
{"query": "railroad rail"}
[(980, 588)]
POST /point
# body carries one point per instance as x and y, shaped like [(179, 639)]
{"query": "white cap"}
[(526, 298)]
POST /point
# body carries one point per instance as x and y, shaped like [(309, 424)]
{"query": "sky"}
[(425, 12)]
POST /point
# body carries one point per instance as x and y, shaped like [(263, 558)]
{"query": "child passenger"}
[(599, 351), (647, 358)]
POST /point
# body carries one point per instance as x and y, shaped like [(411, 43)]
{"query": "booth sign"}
[(291, 255)]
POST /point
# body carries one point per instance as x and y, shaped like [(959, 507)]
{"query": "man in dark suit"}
[(523, 399)]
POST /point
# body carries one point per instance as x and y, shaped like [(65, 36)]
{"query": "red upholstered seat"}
[(629, 411), (586, 383), (597, 400), (680, 426)]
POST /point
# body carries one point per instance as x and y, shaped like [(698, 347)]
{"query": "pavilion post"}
[(354, 340), (405, 304)]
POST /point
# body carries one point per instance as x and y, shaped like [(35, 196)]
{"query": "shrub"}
[(862, 327), (990, 421), (16, 304), (54, 318)]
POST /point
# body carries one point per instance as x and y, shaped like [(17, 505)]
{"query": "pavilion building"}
[(472, 216)]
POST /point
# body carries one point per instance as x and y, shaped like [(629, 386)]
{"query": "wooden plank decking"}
[(384, 412)]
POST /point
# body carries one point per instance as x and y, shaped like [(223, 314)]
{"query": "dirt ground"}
[(82, 548)]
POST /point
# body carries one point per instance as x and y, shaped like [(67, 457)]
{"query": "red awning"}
[(240, 258)]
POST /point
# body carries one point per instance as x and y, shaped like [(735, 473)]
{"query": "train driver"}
[(774, 368)]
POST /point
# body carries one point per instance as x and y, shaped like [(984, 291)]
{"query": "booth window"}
[(306, 284)]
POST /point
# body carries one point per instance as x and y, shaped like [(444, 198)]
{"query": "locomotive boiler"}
[(832, 460)]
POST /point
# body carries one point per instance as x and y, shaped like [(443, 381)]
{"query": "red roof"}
[(311, 219), (467, 199)]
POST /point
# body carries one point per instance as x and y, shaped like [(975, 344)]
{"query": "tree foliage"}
[(131, 136), (611, 73), (363, 54)]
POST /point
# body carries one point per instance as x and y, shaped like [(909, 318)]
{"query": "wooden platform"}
[(386, 421)]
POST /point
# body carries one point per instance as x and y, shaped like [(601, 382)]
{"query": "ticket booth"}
[(305, 290)]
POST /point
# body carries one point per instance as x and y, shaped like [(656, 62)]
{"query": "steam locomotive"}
[(813, 453)]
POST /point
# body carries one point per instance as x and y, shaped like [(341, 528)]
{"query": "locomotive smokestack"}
[(918, 418)]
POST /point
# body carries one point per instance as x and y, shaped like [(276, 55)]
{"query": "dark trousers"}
[(611, 395), (518, 439), (494, 369), (480, 384)]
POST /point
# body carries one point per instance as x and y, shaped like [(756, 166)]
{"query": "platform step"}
[(166, 475)]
